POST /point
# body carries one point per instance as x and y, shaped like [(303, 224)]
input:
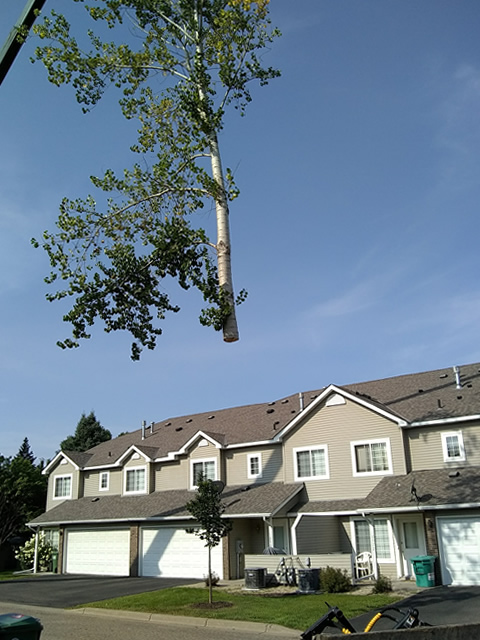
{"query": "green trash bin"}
[(16, 626), (424, 567), (54, 561)]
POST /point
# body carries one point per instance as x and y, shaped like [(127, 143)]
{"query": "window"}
[(254, 462), (206, 469), (311, 463), (371, 457), (380, 528), (135, 480), (63, 487), (452, 444), (104, 481)]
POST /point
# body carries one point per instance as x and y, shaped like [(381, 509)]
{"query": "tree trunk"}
[(210, 586), (230, 328)]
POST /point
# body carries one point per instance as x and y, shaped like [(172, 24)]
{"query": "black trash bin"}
[(308, 580), (15, 626), (255, 578)]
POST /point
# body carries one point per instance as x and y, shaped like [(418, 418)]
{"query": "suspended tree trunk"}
[(225, 280)]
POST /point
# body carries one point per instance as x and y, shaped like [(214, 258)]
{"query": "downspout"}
[(294, 534), (35, 555), (268, 522)]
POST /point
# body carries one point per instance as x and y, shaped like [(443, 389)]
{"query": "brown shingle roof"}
[(249, 500), (431, 395), (433, 488)]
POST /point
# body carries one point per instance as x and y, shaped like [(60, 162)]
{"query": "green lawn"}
[(293, 611)]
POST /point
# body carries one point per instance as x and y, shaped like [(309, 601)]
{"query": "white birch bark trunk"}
[(223, 246), (224, 262)]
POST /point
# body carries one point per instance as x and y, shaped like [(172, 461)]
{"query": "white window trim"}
[(250, 457), (104, 473), (383, 472), (325, 476), (459, 435), (66, 475), (353, 538), (201, 460), (137, 492)]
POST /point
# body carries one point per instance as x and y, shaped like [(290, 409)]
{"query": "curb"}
[(214, 623)]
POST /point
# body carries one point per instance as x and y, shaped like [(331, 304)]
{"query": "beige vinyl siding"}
[(63, 470), (172, 475), (426, 451), (134, 461), (204, 449), (337, 426), (237, 465), (318, 534), (91, 482)]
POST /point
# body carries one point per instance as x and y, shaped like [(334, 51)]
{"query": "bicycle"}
[(403, 619)]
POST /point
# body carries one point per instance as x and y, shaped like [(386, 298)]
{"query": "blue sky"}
[(355, 234)]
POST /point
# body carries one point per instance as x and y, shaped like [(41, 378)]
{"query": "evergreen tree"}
[(25, 451), (23, 494), (89, 432)]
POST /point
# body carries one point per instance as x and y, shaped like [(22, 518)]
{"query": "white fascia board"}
[(133, 448), (237, 516), (258, 443), (415, 508), (197, 436), (242, 445), (440, 421), (59, 455), (102, 466), (346, 394), (172, 455), (294, 514)]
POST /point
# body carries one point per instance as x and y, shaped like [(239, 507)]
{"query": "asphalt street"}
[(46, 597), (59, 624)]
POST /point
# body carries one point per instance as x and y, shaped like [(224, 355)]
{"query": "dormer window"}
[(206, 469), (62, 488), (452, 445), (104, 481), (136, 480), (254, 468)]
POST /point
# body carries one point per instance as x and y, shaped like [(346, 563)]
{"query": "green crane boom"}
[(13, 43)]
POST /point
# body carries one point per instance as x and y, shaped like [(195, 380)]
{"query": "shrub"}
[(26, 554), (213, 577), (382, 585), (334, 580)]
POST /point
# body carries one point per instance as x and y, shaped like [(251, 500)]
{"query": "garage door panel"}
[(98, 552), (459, 540), (174, 553)]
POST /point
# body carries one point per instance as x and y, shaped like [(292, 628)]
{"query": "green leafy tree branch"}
[(179, 64)]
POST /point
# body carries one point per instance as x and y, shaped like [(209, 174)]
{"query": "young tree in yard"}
[(207, 509), (88, 433), (23, 493), (179, 64)]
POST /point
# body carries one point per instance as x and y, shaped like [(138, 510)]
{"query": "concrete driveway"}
[(68, 591)]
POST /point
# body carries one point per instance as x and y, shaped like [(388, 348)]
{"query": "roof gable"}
[(336, 393)]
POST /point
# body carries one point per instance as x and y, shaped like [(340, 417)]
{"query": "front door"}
[(412, 542)]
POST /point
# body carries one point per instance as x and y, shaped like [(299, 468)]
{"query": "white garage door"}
[(459, 540), (98, 552), (174, 553)]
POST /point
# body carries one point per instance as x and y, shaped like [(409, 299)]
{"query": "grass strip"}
[(295, 611)]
